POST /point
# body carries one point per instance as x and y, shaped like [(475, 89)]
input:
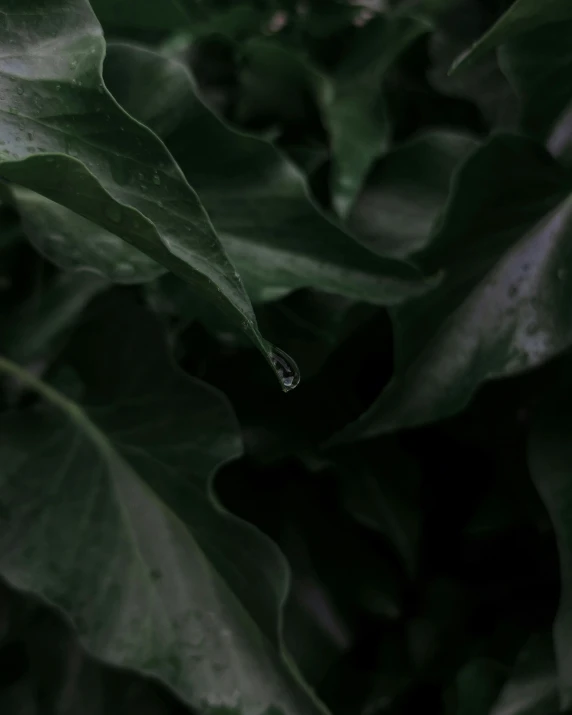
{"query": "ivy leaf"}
[(66, 138), (354, 106), (257, 199), (503, 307), (539, 65), (550, 460), (521, 17), (108, 514), (35, 330), (70, 241), (403, 197), (532, 688), (484, 83), (385, 498)]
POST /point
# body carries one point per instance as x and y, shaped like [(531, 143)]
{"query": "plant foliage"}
[(205, 204)]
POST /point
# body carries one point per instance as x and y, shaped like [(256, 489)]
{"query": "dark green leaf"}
[(539, 65), (70, 241), (107, 513), (532, 688), (354, 107), (34, 331), (383, 494), (483, 82), (477, 686), (504, 243), (396, 210), (67, 139), (258, 203), (521, 17)]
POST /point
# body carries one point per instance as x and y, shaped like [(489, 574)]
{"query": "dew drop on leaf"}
[(286, 368), (156, 179)]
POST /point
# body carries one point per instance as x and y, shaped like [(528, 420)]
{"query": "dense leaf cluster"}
[(204, 203)]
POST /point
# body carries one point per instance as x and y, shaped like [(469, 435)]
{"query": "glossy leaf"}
[(257, 200), (354, 106), (36, 329), (68, 140), (521, 17), (499, 313), (123, 536), (532, 688), (70, 241), (383, 496), (484, 83), (401, 200), (538, 65), (550, 460), (477, 686)]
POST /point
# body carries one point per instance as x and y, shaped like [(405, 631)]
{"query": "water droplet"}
[(58, 87), (156, 179), (20, 90), (30, 135), (140, 175), (113, 212), (73, 64), (286, 368)]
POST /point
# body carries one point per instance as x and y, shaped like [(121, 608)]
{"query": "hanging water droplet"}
[(286, 368)]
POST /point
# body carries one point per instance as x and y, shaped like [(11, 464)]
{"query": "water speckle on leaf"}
[(156, 179), (286, 368), (20, 90)]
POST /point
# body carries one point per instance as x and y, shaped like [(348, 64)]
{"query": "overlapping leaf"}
[(256, 198), (107, 513), (65, 137), (354, 105), (504, 305), (401, 200), (539, 65), (521, 17)]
